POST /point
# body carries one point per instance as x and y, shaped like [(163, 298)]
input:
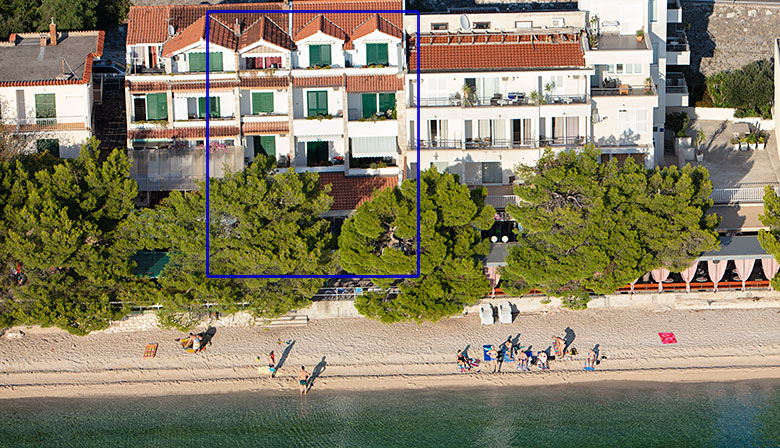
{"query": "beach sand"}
[(359, 354)]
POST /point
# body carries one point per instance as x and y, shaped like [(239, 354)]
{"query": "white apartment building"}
[(317, 92), (46, 87)]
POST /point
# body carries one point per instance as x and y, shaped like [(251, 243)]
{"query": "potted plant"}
[(678, 122), (735, 142), (761, 143), (640, 34), (468, 95), (648, 86), (548, 89), (752, 141), (534, 96), (743, 144), (700, 136), (593, 40)]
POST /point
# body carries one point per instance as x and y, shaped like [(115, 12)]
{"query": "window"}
[(376, 54), (211, 109), (524, 24), (653, 10), (45, 109), (633, 69), (381, 103), (317, 103), (316, 153), (491, 173), (439, 27), (262, 103), (50, 145), (156, 106), (265, 145), (319, 55), (198, 62), (139, 106), (632, 121), (263, 62), (628, 69), (481, 25)]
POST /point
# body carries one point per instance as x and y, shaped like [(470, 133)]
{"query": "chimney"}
[(237, 28), (43, 40), (53, 33)]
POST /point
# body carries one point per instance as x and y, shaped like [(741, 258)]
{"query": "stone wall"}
[(727, 36)]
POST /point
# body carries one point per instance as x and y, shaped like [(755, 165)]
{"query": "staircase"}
[(109, 115)]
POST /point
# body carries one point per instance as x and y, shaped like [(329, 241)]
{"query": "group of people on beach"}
[(509, 352)]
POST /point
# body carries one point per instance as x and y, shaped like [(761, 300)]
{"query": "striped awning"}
[(374, 147)]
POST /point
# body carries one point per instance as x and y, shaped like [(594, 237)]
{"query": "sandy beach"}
[(359, 354)]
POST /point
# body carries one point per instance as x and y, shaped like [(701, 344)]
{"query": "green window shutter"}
[(197, 62), (202, 109), (317, 103), (215, 62), (44, 105), (319, 55), (311, 153), (156, 106), (215, 113), (381, 54), (268, 144), (262, 102), (369, 105), (371, 54), (386, 102)]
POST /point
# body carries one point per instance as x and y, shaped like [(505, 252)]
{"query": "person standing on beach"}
[(493, 353), (508, 348), (523, 365), (590, 361), (271, 364), (303, 380), (463, 363), (542, 356), (558, 346)]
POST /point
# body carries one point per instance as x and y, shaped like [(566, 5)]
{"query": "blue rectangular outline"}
[(208, 113)]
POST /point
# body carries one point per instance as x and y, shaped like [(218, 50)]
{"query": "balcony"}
[(166, 170), (372, 128), (677, 50), (314, 126), (620, 42), (613, 87), (673, 11), (455, 100), (61, 123), (676, 90), (437, 144), (489, 144)]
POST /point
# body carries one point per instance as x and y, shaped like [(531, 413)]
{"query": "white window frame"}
[(632, 121)]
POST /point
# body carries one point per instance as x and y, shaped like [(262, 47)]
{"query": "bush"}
[(749, 90), (678, 122)]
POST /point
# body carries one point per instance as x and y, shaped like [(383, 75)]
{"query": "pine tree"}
[(770, 239), (381, 238), (590, 228)]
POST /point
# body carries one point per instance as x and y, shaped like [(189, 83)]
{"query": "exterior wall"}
[(300, 105), (301, 57), (227, 104), (394, 48), (775, 111), (280, 101), (282, 143), (625, 17)]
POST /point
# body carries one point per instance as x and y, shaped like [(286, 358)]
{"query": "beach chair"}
[(486, 314), (505, 313)]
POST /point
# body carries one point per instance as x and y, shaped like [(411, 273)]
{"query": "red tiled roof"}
[(266, 30), (376, 23), (349, 192), (495, 52), (86, 76), (218, 33), (146, 25), (322, 24), (374, 83), (347, 21), (318, 81), (197, 86), (266, 82), (214, 131), (266, 127)]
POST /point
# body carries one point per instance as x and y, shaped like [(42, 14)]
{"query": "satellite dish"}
[(171, 30), (465, 24)]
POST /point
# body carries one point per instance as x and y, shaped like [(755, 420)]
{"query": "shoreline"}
[(390, 382), (363, 355)]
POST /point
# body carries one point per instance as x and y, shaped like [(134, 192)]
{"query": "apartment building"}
[(318, 92), (46, 88)]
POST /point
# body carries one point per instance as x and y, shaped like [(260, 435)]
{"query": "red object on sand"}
[(667, 338)]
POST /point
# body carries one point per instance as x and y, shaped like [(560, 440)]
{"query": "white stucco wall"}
[(301, 57), (394, 48)]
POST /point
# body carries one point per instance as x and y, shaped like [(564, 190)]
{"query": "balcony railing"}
[(623, 89), (675, 83), (514, 99), (57, 123), (487, 143), (438, 144)]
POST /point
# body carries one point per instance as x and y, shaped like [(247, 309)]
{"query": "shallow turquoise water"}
[(745, 414)]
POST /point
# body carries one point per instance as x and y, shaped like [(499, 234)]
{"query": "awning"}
[(318, 138), (737, 248), (374, 147)]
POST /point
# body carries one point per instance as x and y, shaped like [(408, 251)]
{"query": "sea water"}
[(605, 414)]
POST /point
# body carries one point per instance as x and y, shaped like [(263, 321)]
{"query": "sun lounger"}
[(486, 314), (505, 313)]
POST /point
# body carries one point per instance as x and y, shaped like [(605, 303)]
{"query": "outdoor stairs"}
[(110, 118), (291, 319)]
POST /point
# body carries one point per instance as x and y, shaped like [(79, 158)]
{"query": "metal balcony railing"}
[(437, 144)]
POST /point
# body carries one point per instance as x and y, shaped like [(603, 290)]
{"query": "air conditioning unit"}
[(557, 23)]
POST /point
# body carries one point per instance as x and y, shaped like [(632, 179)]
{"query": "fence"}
[(745, 193), (180, 169), (501, 201)]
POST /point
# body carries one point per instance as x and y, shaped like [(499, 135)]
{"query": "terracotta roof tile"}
[(374, 83), (265, 30), (320, 23), (347, 21), (219, 34), (147, 24), (349, 192), (200, 132), (266, 127), (494, 52), (266, 82), (376, 23), (318, 81)]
